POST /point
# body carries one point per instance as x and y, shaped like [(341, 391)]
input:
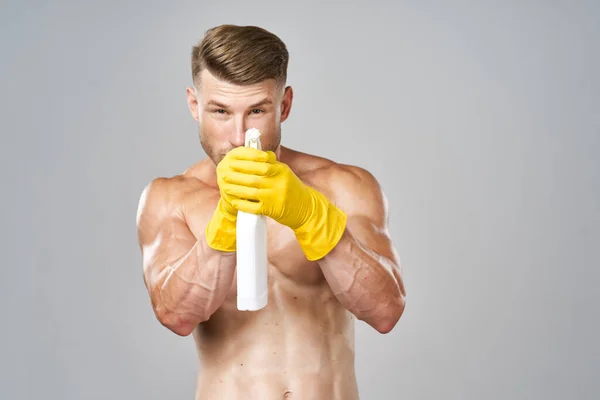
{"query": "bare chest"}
[(288, 265), (296, 289)]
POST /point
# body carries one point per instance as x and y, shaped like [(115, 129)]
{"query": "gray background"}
[(481, 122)]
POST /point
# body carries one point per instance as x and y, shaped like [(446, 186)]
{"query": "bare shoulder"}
[(163, 194), (353, 177), (358, 192), (168, 197)]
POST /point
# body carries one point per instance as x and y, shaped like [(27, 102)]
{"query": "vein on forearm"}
[(192, 290), (361, 279)]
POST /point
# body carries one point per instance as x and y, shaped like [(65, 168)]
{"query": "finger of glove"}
[(252, 167), (248, 153), (272, 157), (239, 178), (227, 208), (236, 192), (250, 207)]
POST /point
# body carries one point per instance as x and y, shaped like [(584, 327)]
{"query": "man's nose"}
[(238, 136)]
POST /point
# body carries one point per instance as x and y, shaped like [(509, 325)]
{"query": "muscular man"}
[(330, 256)]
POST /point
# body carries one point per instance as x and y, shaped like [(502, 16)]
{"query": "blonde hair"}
[(241, 55)]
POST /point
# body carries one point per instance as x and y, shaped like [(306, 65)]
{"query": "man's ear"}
[(192, 102), (286, 103)]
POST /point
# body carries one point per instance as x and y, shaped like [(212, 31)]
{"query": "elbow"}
[(182, 329), (179, 324), (390, 317)]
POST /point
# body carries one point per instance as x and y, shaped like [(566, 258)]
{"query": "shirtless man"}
[(330, 256)]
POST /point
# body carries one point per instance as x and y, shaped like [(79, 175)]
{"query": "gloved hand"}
[(253, 181), (221, 229)]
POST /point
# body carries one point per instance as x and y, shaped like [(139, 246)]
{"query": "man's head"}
[(239, 76)]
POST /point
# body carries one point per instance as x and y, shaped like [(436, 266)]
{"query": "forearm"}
[(189, 290), (366, 283)]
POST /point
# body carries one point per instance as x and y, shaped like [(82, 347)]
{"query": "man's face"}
[(225, 112)]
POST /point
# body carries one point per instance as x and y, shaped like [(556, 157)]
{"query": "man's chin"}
[(218, 158)]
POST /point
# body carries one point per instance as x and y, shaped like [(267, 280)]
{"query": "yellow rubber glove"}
[(221, 229), (254, 181)]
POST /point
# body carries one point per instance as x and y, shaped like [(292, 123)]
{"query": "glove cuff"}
[(323, 229), (221, 230)]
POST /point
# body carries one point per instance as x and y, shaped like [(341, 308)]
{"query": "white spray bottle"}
[(251, 251)]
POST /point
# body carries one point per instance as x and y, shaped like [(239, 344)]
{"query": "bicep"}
[(366, 206), (163, 234)]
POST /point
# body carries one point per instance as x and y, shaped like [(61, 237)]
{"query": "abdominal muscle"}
[(300, 346)]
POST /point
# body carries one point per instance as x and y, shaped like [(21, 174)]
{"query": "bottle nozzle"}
[(253, 138)]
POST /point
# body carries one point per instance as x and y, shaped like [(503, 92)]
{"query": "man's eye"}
[(220, 111), (256, 111)]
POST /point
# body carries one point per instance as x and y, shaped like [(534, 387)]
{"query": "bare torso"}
[(301, 345)]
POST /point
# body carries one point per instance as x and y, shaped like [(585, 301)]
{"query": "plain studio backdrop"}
[(480, 120)]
